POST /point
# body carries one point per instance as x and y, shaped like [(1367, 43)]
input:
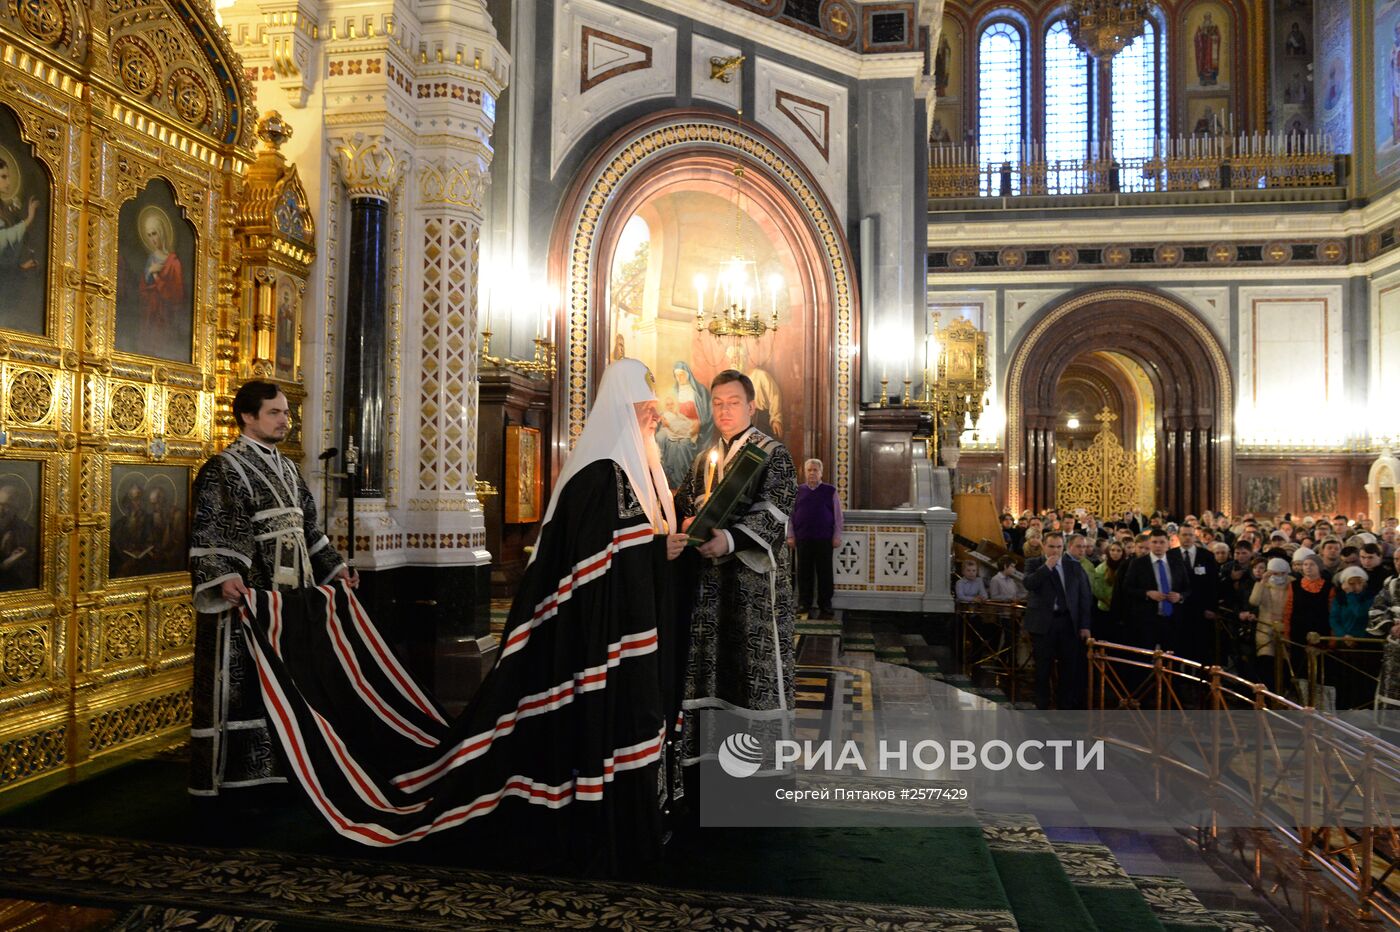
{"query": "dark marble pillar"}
[(1204, 494), (1169, 452), (1186, 505), (366, 339), (1031, 481)]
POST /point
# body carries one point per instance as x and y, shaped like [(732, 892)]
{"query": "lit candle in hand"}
[(710, 469)]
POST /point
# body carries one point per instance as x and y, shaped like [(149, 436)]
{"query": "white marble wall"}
[(898, 560), (399, 100)]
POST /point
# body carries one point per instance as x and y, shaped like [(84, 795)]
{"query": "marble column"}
[(446, 524), (366, 328), (369, 168)]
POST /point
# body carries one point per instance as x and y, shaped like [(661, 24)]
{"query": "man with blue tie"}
[(1153, 589), (1059, 607)]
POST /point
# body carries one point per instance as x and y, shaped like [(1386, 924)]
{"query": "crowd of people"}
[(1249, 593)]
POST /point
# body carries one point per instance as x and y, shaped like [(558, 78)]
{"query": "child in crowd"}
[(970, 587), (1005, 587)]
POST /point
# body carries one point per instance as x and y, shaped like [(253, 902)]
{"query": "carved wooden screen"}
[(124, 129), (1103, 478)]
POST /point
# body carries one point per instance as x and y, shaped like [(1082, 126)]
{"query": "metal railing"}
[(990, 641), (1240, 163), (1320, 792)]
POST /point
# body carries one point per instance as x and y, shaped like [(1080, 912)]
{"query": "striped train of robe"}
[(569, 733)]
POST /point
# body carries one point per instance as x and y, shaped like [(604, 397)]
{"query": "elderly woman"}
[(1271, 600)]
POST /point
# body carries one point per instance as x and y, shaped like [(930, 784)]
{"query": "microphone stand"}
[(326, 456), (352, 462)]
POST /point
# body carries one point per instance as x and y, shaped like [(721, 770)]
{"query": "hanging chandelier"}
[(735, 290), (1103, 28)]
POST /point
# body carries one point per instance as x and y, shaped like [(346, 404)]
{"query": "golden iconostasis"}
[(128, 253)]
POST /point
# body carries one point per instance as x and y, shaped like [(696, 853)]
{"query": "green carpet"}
[(141, 811), (1118, 908), (1035, 881), (1107, 892), (1041, 896)]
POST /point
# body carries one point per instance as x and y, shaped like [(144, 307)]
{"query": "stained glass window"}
[(1067, 121), (1001, 99), (1138, 102)]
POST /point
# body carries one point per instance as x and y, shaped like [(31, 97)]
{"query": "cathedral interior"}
[(986, 260)]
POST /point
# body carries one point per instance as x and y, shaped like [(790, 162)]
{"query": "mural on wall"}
[(1332, 74), (1208, 59), (20, 489), (1292, 56), (1387, 86), (1207, 69), (1318, 494), (24, 231), (946, 128), (155, 276), (1208, 116), (671, 241), (150, 530), (947, 60), (1263, 495)]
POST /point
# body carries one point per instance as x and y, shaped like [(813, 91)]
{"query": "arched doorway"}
[(1146, 336), (661, 184), (1102, 380)]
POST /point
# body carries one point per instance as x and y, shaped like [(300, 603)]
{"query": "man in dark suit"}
[(1197, 623), (1153, 591), (1059, 610)]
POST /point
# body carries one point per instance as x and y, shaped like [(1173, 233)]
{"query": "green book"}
[(731, 494)]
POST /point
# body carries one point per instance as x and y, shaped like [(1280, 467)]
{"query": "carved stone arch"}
[(1189, 372), (702, 145)]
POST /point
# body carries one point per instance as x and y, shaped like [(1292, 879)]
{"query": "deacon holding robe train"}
[(254, 528), (741, 650)]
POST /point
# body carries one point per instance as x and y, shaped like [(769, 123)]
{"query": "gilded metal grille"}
[(1102, 479)]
